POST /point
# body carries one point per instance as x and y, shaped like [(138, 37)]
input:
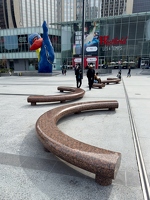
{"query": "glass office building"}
[(120, 39), (141, 6), (28, 13), (14, 48)]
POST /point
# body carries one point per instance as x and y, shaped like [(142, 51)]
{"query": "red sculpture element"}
[(37, 44)]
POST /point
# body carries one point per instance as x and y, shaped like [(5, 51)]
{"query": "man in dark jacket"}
[(90, 76), (78, 74)]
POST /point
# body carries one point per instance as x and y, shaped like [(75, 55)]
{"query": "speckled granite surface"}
[(103, 163), (74, 93)]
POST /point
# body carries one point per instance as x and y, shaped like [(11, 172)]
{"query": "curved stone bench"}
[(103, 163), (98, 85), (74, 93), (116, 80), (113, 78)]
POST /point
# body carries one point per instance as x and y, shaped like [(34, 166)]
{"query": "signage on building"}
[(104, 40), (91, 59), (23, 38), (91, 40), (77, 60), (112, 48), (87, 61)]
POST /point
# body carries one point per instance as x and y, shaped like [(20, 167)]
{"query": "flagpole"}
[(83, 24)]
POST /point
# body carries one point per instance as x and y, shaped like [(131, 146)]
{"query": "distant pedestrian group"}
[(92, 76)]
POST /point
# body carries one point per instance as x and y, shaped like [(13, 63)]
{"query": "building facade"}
[(141, 6), (20, 18), (92, 9), (121, 39), (113, 8), (115, 37), (14, 48), (29, 13)]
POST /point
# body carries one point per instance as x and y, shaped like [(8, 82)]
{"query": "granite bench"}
[(98, 85), (73, 93), (112, 78), (103, 163), (116, 80)]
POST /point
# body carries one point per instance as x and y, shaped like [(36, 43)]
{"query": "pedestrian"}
[(90, 76), (129, 71), (97, 78), (119, 74), (9, 72), (64, 69), (78, 74)]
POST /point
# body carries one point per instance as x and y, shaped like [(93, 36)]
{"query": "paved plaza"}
[(29, 172)]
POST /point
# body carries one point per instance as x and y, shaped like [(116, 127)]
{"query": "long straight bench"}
[(74, 93), (103, 163)]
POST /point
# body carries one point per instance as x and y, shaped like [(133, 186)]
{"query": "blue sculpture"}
[(44, 50)]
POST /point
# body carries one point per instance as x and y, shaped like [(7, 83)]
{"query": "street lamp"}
[(83, 22)]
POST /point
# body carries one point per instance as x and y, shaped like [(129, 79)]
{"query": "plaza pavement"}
[(28, 172)]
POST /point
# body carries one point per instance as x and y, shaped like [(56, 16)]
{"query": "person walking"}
[(78, 74), (90, 76), (64, 69), (129, 71)]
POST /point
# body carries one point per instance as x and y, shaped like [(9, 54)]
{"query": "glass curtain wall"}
[(121, 40), (14, 41), (128, 39), (19, 43)]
